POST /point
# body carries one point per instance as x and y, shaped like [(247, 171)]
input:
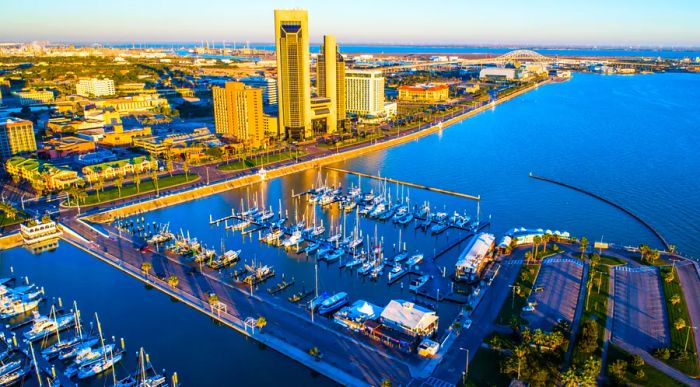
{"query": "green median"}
[(113, 193)]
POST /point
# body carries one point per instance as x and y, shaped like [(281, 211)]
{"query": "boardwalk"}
[(348, 359)]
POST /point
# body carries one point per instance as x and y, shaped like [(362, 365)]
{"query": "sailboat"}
[(145, 376), (67, 348)]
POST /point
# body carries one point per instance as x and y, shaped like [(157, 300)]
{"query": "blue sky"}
[(586, 22)]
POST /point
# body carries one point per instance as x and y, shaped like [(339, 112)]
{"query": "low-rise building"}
[(354, 316), (124, 167), (137, 103), (161, 145), (409, 318), (34, 232), (35, 97), (430, 92), (526, 236), (64, 147), (474, 257), (16, 137), (498, 73), (120, 137), (41, 173)]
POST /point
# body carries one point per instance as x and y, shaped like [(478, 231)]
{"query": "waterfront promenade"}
[(223, 181)]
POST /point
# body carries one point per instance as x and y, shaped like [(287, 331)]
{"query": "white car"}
[(528, 308), (467, 323)]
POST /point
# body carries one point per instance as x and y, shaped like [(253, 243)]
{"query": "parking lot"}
[(556, 293), (639, 317)]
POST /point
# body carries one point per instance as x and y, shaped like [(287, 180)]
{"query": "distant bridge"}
[(512, 56)]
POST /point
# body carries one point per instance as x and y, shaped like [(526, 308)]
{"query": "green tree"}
[(260, 322), (154, 177), (146, 268), (119, 182), (618, 369), (536, 244), (99, 185), (137, 180), (679, 324), (675, 299), (173, 281), (583, 246), (186, 169)]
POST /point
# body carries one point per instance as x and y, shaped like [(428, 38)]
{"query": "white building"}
[(409, 318), (38, 231), (497, 73), (474, 257), (364, 92), (94, 87), (269, 86)]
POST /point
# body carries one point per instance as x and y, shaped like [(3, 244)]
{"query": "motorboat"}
[(44, 326), (396, 272), (417, 283), (414, 260), (333, 303)]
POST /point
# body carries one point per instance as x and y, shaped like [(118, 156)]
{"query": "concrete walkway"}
[(690, 283)]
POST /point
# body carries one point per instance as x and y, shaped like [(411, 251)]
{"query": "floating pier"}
[(406, 183)]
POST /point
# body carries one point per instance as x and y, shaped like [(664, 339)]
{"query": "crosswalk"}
[(641, 269), (435, 382), (563, 260)]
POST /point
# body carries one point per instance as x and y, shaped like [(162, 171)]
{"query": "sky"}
[(670, 23)]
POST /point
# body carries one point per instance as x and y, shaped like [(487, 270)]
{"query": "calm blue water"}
[(448, 49), (629, 138)]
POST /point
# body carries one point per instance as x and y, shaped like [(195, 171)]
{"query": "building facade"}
[(41, 173), (35, 97), (268, 86), (330, 81), (431, 92), (293, 73), (364, 90), (94, 87), (238, 113), (16, 137)]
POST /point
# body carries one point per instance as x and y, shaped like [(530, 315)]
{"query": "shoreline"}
[(242, 181)]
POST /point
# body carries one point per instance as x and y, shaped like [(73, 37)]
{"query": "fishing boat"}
[(311, 247), (418, 283), (318, 300), (333, 303), (334, 255), (87, 356), (405, 219), (102, 364), (439, 227), (225, 259), (259, 275), (44, 326), (17, 307), (353, 262), (145, 376), (414, 260), (398, 258), (293, 239), (365, 269), (12, 375)]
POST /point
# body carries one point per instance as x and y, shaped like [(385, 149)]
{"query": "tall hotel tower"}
[(293, 79), (330, 81)]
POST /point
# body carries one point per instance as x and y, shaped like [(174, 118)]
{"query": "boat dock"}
[(14, 342), (406, 183), (644, 223)]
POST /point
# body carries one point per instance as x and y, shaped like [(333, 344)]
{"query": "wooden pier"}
[(406, 183)]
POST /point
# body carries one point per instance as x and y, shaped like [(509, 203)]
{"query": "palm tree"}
[(545, 239), (536, 243), (146, 268), (186, 169), (137, 180), (654, 255), (520, 352), (679, 324), (154, 177), (570, 378), (261, 322), (583, 246), (119, 182), (675, 299), (173, 281), (169, 165), (99, 185)]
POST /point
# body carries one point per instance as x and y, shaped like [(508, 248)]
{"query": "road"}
[(483, 319), (690, 282)]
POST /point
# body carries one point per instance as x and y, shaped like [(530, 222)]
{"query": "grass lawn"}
[(676, 312), (112, 193), (595, 307), (526, 279), (257, 161), (5, 221), (611, 261), (485, 369), (652, 376)]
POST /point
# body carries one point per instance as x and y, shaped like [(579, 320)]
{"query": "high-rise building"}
[(238, 113), (268, 85), (364, 90), (35, 97), (94, 87), (293, 79), (330, 81), (16, 137)]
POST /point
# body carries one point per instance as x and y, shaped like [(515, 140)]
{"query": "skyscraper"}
[(238, 113), (330, 81), (365, 92), (293, 78)]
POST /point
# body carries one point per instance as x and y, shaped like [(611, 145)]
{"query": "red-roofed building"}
[(429, 92)]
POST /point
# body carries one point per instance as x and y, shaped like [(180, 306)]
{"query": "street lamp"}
[(466, 365), (512, 303)]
